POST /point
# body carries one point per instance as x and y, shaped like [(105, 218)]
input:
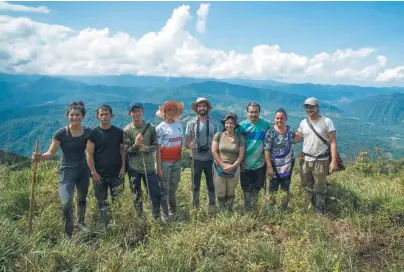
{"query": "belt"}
[(321, 156)]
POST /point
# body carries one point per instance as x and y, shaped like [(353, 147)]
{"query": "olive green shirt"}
[(135, 159)]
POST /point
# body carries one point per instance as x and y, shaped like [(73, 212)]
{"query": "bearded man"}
[(199, 135)]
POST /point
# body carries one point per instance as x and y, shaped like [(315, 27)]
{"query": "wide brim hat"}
[(199, 100), (230, 115), (170, 103)]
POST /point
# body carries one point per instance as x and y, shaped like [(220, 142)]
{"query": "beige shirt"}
[(228, 151)]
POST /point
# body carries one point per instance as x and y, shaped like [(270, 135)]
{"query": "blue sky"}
[(304, 28)]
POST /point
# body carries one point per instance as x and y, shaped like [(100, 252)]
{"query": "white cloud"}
[(37, 48), (202, 14), (367, 73), (21, 8), (394, 74)]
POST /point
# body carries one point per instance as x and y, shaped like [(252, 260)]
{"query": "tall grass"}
[(362, 230)]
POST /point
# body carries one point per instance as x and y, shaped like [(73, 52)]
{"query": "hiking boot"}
[(68, 218), (247, 200), (172, 206), (81, 211), (229, 203), (138, 206), (254, 198), (164, 208), (309, 198), (195, 199), (319, 205), (155, 209), (104, 217), (222, 203), (211, 199), (285, 202)]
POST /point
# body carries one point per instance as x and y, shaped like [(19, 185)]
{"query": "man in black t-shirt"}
[(106, 160)]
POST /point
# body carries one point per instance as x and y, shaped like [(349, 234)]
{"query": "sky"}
[(356, 43)]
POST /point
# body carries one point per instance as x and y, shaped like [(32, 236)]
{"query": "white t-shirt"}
[(170, 137), (312, 144)]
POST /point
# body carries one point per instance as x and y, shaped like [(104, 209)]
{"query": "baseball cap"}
[(135, 105), (311, 101)]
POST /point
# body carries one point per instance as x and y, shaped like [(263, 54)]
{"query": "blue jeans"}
[(70, 176)]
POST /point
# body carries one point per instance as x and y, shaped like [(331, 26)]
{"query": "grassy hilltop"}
[(362, 231)]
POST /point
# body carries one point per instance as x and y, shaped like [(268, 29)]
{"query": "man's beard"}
[(203, 112)]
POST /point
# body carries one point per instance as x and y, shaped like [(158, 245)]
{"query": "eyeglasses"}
[(172, 109)]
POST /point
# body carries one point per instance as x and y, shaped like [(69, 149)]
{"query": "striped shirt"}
[(254, 135)]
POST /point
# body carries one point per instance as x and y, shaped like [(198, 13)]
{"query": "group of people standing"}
[(225, 152)]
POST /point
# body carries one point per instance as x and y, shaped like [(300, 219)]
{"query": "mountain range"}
[(32, 106)]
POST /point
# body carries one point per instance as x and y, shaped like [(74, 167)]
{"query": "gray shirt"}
[(191, 131)]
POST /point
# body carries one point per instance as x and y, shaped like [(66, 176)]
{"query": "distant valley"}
[(33, 106)]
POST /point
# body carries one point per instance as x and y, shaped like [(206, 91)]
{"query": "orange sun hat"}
[(169, 105)]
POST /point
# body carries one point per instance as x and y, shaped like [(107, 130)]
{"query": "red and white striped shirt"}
[(170, 137)]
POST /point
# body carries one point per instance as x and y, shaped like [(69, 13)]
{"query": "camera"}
[(203, 148)]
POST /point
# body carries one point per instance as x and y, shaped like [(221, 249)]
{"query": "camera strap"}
[(207, 131)]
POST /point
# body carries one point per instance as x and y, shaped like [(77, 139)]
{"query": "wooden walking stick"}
[(147, 182), (31, 206)]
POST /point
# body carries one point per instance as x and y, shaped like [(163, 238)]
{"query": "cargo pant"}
[(313, 176), (169, 185), (226, 189), (71, 176)]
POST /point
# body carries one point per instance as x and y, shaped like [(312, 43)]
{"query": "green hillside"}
[(20, 129), (53, 90), (362, 230), (10, 158), (25, 117), (239, 96), (382, 109)]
